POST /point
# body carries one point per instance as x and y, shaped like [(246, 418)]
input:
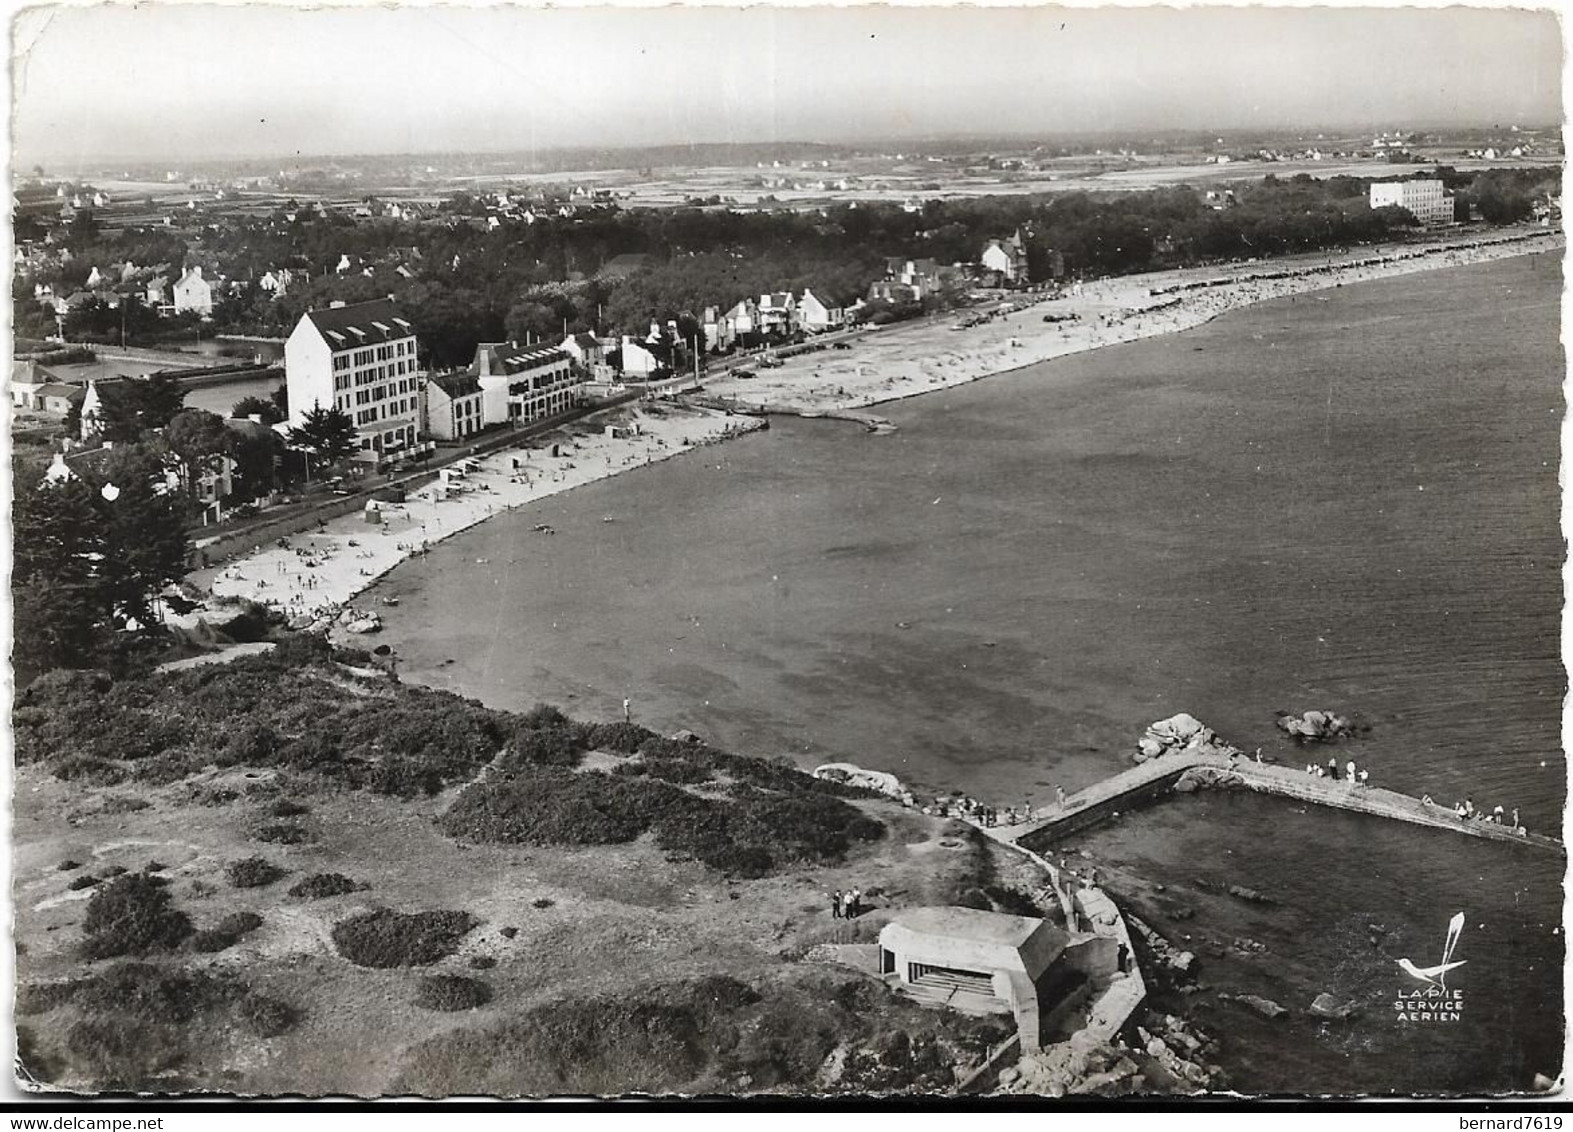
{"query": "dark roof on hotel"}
[(587, 341), (457, 384), (361, 324), (512, 358)]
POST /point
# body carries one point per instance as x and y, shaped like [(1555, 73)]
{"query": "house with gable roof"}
[(1007, 258), (816, 316), (194, 293)]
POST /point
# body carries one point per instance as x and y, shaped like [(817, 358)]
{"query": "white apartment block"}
[(520, 384), (361, 359), (1429, 202)]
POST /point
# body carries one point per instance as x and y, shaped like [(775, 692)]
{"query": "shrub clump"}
[(67, 865), (266, 1017), (288, 808), (385, 938), (41, 998), (754, 832), (320, 885), (253, 872), (132, 915), (452, 992), (87, 880), (282, 833), (137, 1019), (227, 932)]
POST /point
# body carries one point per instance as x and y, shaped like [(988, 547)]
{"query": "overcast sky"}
[(184, 82)]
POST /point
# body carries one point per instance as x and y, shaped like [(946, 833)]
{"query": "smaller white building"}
[(817, 316), (194, 294), (453, 406)]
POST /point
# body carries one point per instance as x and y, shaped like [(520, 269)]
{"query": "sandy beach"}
[(906, 360), (312, 576)]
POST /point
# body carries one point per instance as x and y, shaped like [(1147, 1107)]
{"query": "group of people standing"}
[(1466, 812), (846, 905), (1351, 775)]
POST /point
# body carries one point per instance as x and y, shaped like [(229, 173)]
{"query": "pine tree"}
[(327, 433)]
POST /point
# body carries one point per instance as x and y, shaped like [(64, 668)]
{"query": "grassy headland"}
[(227, 878)]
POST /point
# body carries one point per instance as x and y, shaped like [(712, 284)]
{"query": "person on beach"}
[(1365, 778), (1496, 815), (1332, 768), (835, 904), (1351, 767), (1059, 796), (1517, 828), (1469, 807)]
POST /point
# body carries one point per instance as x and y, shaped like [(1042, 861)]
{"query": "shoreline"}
[(904, 361), (313, 577)]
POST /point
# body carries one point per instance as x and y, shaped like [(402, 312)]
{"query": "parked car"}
[(742, 374)]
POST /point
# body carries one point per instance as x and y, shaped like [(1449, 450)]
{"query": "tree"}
[(89, 560), (202, 441), (138, 406), (328, 434), (256, 463), (144, 526), (264, 407), (58, 546)]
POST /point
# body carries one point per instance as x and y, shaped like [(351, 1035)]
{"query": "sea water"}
[(1347, 500)]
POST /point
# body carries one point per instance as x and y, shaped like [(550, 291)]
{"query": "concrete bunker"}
[(978, 962)]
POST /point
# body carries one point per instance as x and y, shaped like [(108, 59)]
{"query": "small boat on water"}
[(390, 601)]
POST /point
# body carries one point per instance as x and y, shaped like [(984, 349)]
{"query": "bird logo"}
[(1437, 976)]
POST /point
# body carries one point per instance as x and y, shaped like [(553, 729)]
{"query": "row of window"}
[(350, 359), (377, 373), (383, 412), (392, 438)]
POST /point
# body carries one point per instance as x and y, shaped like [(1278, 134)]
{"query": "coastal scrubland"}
[(512, 903)]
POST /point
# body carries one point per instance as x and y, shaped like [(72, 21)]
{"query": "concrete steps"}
[(945, 995)]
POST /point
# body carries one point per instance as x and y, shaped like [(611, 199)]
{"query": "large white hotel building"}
[(1429, 202), (360, 359)]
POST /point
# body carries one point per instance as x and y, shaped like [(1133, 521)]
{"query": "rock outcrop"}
[(1181, 733), (1266, 1007), (1326, 1006), (1316, 726)]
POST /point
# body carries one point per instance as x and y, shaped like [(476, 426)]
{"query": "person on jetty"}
[(1332, 768), (1365, 778), (1351, 766), (1059, 796)]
